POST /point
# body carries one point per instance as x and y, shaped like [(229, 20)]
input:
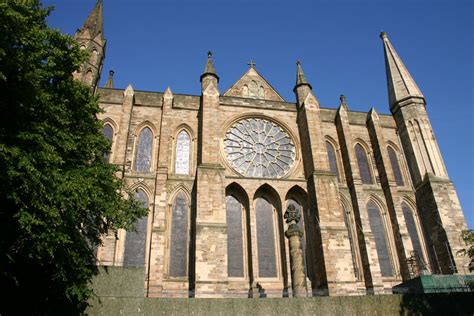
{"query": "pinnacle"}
[(209, 69), (400, 83), (110, 80), (94, 22), (300, 77)]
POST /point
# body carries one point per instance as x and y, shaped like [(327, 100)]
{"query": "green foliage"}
[(468, 237), (57, 195)]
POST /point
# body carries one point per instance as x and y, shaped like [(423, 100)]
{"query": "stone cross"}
[(252, 64), (294, 234)]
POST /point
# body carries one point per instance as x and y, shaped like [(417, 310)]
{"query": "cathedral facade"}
[(218, 172)]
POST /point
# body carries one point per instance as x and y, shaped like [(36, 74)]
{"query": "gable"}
[(253, 85)]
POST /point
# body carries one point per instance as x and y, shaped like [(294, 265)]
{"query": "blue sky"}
[(155, 44)]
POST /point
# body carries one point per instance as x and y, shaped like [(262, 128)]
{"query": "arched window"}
[(261, 93), (144, 150), (94, 56), (395, 166), (235, 238), (363, 162), (183, 144), (412, 231), (135, 241), (245, 91), (253, 90), (332, 159), (108, 133), (380, 236), (89, 76), (179, 237), (267, 266), (352, 237)]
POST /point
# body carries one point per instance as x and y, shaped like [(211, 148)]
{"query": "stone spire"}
[(110, 80), (94, 22), (209, 69), (300, 78), (400, 83)]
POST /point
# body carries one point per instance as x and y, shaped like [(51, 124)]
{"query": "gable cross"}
[(252, 64)]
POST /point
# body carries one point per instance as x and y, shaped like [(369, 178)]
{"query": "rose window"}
[(256, 147)]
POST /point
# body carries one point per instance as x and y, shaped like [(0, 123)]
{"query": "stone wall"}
[(428, 304)]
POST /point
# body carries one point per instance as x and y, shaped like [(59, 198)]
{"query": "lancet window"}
[(135, 240), (395, 166), (178, 264), (144, 150), (332, 159), (108, 133), (183, 146), (235, 237), (267, 261), (364, 167), (381, 241)]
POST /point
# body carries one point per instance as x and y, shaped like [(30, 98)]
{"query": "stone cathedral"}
[(250, 195)]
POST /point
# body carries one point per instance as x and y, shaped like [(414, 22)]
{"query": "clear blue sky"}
[(155, 44)]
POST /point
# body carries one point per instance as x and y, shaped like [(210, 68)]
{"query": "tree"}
[(57, 194), (468, 237)]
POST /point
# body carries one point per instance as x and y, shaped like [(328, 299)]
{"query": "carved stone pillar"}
[(294, 234)]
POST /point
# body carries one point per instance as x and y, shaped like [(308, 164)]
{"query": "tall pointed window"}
[(395, 166), (135, 240), (380, 236), (144, 150), (364, 167), (267, 266), (332, 159), (235, 240), (179, 237), (108, 133), (183, 144), (412, 231), (352, 239)]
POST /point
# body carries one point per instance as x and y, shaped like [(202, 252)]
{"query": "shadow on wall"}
[(437, 304)]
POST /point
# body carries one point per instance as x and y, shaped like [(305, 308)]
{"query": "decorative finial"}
[(111, 73), (342, 98), (251, 64), (298, 62), (383, 35), (209, 54)]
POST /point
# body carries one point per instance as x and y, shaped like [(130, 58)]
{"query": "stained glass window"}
[(235, 254), (108, 133), (395, 166), (144, 150), (179, 237), (380, 237), (364, 168), (135, 240), (332, 159), (256, 147), (411, 227), (351, 234), (182, 153), (265, 239)]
